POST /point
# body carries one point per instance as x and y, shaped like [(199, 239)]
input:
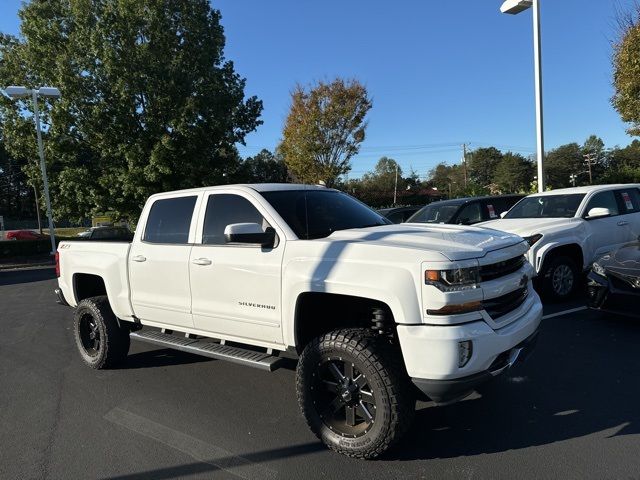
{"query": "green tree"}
[(626, 72), (482, 164), (623, 164), (383, 178), (563, 161), (149, 102), (265, 167), (324, 130), (513, 174), (449, 180)]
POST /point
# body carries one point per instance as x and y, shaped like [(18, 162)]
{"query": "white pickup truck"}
[(376, 314), (569, 228)]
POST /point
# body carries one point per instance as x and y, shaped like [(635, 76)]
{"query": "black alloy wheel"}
[(343, 398)]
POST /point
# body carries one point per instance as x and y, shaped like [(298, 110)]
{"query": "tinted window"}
[(319, 213), (223, 210), (547, 206), (435, 213), (603, 200), (397, 217), (470, 214), (630, 200), (169, 220)]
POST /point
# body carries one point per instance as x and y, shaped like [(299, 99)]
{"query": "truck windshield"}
[(546, 206), (434, 214), (318, 213)]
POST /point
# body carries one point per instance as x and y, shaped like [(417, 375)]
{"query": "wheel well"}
[(86, 285), (318, 313), (571, 250)]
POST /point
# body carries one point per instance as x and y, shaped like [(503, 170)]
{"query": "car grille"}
[(499, 306), (500, 269)]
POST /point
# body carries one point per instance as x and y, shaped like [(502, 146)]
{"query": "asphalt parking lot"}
[(571, 411)]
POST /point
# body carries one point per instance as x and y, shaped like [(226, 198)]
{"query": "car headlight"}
[(453, 280), (598, 269), (533, 239)]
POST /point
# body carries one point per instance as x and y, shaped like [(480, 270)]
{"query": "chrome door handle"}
[(201, 261), (623, 222), (139, 258)]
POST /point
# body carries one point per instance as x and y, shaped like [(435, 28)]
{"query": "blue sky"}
[(440, 72)]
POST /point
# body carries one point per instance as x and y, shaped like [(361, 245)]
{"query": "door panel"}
[(629, 199), (160, 283), (238, 293), (604, 234), (159, 262)]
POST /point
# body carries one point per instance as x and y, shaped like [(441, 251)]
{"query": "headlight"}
[(598, 269), (453, 280), (533, 239)]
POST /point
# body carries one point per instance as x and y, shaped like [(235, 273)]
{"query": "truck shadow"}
[(581, 380), (162, 357)]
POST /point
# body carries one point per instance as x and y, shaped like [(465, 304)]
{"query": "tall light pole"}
[(513, 7), (50, 92)]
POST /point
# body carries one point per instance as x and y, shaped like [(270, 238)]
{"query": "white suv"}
[(569, 228)]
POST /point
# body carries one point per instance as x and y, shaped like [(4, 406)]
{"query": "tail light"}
[(57, 256)]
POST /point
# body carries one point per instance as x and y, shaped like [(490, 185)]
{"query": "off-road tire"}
[(113, 345), (381, 363), (559, 266)]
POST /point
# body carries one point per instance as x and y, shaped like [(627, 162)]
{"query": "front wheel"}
[(354, 392), (560, 277), (100, 340)]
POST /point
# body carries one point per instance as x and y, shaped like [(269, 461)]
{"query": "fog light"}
[(465, 350)]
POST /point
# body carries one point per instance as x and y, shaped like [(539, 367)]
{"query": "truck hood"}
[(452, 241), (526, 227)]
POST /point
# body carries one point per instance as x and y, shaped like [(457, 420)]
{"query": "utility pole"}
[(464, 163), (35, 193), (588, 158), (395, 189)]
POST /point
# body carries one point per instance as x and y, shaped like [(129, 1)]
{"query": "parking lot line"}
[(565, 312), (196, 448)]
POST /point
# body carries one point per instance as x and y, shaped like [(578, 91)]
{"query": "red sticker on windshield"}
[(627, 201), (492, 211)]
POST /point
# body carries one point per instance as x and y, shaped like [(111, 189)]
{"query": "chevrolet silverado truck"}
[(377, 315), (569, 228)]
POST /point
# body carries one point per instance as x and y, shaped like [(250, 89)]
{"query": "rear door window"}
[(170, 220)]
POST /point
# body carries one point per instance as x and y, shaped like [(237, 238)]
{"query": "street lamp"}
[(50, 92), (513, 7)]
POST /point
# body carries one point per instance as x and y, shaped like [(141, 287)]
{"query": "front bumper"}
[(447, 391), (611, 296), (430, 352)]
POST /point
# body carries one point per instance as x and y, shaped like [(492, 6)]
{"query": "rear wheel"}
[(100, 340), (560, 277), (354, 392)]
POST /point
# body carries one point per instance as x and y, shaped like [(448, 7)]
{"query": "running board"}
[(211, 349)]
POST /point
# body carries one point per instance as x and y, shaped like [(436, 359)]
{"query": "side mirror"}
[(503, 213), (250, 234), (598, 212)]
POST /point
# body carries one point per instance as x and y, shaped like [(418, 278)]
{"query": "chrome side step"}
[(208, 348)]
